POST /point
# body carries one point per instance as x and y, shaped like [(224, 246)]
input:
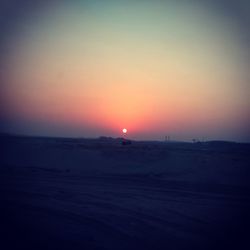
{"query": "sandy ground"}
[(98, 194)]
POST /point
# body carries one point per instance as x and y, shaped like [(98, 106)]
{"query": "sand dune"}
[(98, 194)]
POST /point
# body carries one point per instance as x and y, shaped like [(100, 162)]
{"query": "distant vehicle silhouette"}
[(126, 142)]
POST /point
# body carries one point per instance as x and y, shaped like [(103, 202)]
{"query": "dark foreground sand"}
[(97, 194)]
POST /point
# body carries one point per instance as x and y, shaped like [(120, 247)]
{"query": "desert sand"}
[(62, 193)]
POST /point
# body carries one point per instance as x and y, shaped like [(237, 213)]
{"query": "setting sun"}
[(124, 131)]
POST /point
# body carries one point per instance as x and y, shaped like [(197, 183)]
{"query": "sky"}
[(156, 68)]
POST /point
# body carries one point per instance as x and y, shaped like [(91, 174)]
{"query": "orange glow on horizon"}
[(94, 73)]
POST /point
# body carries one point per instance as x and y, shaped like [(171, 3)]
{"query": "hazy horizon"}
[(145, 139)]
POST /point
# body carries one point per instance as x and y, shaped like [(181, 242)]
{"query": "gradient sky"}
[(90, 68)]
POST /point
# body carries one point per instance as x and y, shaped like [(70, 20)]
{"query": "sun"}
[(124, 131)]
